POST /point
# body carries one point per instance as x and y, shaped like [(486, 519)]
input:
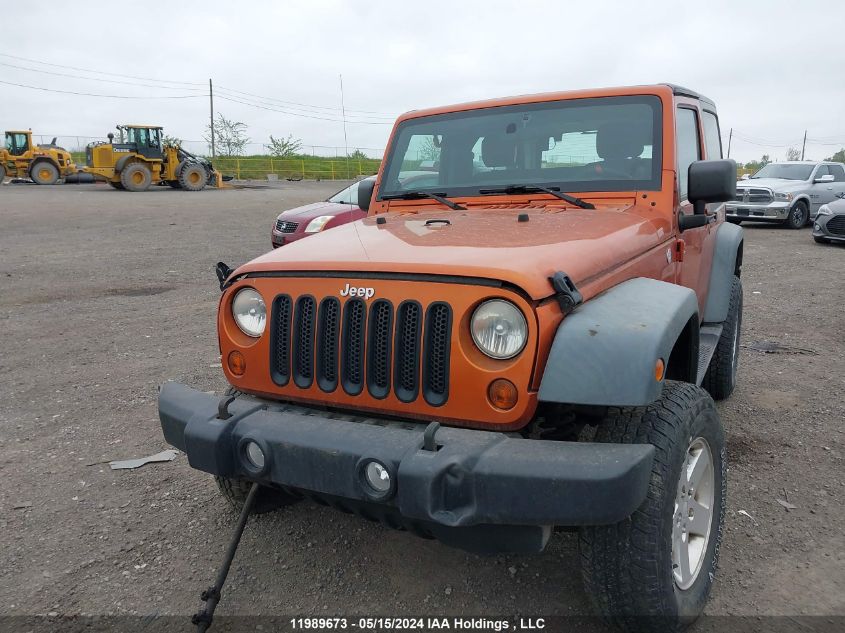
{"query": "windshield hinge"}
[(566, 293)]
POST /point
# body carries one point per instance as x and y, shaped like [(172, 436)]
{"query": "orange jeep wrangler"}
[(533, 342)]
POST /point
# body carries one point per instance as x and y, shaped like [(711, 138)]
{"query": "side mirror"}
[(711, 181), (365, 193), (825, 178)]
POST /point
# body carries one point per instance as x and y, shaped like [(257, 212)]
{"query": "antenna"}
[(343, 113)]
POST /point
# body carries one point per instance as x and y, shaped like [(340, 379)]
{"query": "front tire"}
[(654, 570), (269, 499), (720, 379), (136, 177), (798, 216), (193, 177), (44, 173)]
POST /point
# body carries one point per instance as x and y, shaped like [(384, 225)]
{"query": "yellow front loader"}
[(44, 164), (140, 158)]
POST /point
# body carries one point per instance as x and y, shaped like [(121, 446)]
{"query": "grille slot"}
[(328, 328), (407, 364), (352, 362), (280, 340), (379, 348), (282, 226), (755, 195), (303, 333), (836, 225), (437, 345)]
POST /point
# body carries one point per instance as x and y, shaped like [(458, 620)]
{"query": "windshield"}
[(787, 172), (604, 144)]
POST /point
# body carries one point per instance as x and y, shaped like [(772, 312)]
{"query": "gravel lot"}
[(104, 295)]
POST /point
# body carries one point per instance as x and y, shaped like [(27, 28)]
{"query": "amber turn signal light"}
[(237, 363), (502, 394), (659, 369)]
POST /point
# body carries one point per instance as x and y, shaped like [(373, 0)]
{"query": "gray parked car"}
[(789, 193), (829, 225)]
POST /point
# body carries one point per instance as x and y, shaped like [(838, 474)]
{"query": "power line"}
[(101, 72), (306, 116), (90, 94), (378, 115), (111, 81)]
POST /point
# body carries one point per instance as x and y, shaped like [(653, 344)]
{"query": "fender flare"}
[(604, 352), (726, 264), (121, 162)]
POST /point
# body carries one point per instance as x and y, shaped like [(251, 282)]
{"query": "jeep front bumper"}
[(474, 479)]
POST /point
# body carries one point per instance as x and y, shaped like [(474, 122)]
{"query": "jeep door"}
[(690, 135)]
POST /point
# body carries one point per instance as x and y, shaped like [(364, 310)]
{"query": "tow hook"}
[(211, 596), (567, 295)]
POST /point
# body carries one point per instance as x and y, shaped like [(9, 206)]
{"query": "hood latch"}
[(566, 293)]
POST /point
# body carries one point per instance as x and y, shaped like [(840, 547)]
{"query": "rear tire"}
[(44, 173), (654, 570), (193, 177), (720, 379), (798, 216), (269, 499), (136, 177)]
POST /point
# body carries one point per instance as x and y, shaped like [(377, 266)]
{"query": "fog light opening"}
[(237, 363), (255, 455), (502, 394), (377, 477)]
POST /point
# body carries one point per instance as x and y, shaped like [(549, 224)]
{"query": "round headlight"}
[(499, 329), (250, 312)]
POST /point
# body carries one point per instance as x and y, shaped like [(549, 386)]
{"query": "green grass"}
[(308, 167)]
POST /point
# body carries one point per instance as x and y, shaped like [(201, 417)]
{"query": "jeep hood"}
[(485, 243)]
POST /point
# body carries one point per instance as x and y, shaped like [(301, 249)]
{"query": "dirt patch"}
[(79, 387)]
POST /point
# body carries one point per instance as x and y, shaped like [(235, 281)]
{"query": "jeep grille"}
[(351, 344)]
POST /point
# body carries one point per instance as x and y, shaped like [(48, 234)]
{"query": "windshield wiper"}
[(416, 195), (554, 191)]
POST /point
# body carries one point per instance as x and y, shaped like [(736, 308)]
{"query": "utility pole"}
[(804, 146), (211, 103), (730, 136), (343, 112)]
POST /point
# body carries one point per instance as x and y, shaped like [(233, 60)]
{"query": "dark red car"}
[(294, 224), (341, 208)]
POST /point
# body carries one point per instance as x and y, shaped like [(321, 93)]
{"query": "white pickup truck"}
[(789, 193)]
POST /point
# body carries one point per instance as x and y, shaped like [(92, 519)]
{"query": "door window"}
[(821, 171), (838, 172), (688, 146), (712, 140)]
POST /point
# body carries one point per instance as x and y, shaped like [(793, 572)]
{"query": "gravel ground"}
[(104, 295)]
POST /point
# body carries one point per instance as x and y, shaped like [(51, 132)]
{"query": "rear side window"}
[(712, 140), (838, 172), (688, 142)]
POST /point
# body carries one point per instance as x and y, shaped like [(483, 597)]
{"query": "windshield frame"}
[(396, 154)]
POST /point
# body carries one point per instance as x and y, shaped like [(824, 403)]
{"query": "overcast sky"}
[(774, 68)]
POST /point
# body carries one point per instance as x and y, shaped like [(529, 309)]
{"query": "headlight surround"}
[(250, 312), (783, 196), (318, 224), (825, 210), (499, 329)]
